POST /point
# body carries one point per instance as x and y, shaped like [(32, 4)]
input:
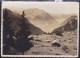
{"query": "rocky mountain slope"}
[(43, 44), (15, 20), (67, 25)]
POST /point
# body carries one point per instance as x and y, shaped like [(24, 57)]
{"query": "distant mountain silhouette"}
[(16, 21), (36, 13), (68, 25), (41, 19)]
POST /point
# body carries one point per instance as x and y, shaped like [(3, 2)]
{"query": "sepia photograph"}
[(39, 29)]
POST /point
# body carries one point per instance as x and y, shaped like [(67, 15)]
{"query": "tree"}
[(25, 26), (7, 32), (23, 43)]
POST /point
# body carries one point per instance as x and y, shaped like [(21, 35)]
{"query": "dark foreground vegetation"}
[(15, 42)]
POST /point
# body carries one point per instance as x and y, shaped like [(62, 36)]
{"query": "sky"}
[(50, 7)]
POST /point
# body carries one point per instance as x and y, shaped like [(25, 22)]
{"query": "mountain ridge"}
[(41, 19), (67, 25), (16, 21)]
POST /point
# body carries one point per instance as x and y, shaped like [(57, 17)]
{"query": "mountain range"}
[(40, 21)]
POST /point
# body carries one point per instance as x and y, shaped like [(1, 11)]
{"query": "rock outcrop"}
[(67, 25)]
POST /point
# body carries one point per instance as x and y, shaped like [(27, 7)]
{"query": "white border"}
[(1, 30), (37, 55)]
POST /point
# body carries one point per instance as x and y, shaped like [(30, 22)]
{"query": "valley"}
[(47, 35)]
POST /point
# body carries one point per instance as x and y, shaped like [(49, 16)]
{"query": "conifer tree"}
[(23, 43), (7, 32)]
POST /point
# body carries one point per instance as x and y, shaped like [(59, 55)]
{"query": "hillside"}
[(67, 25), (16, 21), (41, 19), (35, 30)]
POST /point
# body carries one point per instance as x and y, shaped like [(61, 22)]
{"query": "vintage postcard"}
[(40, 29)]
